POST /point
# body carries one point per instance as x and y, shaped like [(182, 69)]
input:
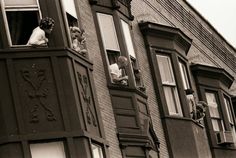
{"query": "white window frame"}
[(5, 8), (172, 85)]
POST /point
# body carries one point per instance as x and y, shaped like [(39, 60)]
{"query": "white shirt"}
[(38, 37), (114, 69)]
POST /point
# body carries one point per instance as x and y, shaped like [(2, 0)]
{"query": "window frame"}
[(117, 17), (174, 57), (16, 8), (172, 85)]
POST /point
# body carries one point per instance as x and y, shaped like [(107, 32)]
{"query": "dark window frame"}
[(117, 17), (174, 58)]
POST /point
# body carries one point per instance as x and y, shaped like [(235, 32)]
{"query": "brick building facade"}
[(60, 100)]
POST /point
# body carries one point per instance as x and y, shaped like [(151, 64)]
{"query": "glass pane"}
[(184, 75), (48, 150), (212, 104), (20, 34), (165, 68), (69, 6), (107, 28), (172, 100), (228, 110), (20, 2), (97, 151), (128, 39), (215, 125)]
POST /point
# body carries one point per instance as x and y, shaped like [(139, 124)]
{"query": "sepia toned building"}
[(59, 99)]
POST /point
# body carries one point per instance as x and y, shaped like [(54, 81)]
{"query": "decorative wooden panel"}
[(87, 99), (37, 95)]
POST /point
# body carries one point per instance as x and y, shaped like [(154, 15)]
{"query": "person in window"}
[(116, 71), (78, 39), (38, 36)]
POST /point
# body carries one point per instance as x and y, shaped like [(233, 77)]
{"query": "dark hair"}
[(46, 23)]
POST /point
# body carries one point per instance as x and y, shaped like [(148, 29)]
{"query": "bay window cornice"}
[(209, 72), (165, 37)]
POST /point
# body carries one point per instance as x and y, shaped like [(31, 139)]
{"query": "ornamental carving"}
[(35, 77), (83, 80)]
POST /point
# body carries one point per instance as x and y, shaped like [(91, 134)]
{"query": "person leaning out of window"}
[(116, 71), (38, 36)]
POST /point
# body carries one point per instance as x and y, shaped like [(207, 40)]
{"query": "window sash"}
[(97, 151), (184, 75), (169, 85), (69, 6), (228, 110), (166, 71), (14, 3), (108, 32), (128, 38), (172, 100), (213, 105)]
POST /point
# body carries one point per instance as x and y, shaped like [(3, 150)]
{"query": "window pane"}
[(165, 68), (228, 110), (19, 26), (107, 28), (69, 6), (215, 125), (20, 2), (172, 100), (97, 151), (48, 150), (128, 39), (184, 75), (212, 104)]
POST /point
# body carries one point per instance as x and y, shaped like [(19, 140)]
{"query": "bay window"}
[(213, 84), (17, 15), (97, 151)]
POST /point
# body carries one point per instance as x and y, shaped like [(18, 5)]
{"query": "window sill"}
[(119, 87), (176, 117)]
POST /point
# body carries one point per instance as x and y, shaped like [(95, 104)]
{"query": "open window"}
[(17, 15), (131, 53)]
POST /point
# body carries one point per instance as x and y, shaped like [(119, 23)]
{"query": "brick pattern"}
[(102, 92), (158, 12)]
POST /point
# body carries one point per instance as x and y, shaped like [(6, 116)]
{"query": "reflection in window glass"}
[(48, 150), (97, 151)]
